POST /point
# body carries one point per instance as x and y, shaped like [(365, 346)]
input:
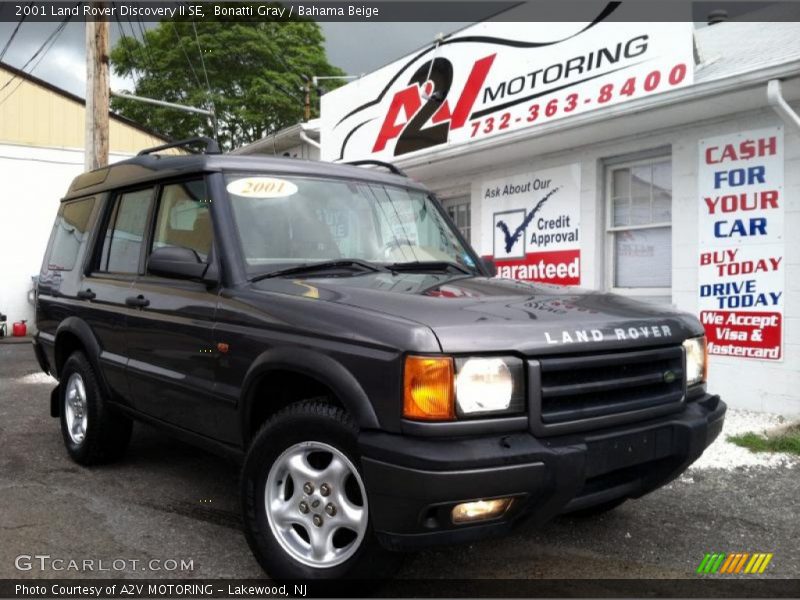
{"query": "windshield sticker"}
[(261, 187)]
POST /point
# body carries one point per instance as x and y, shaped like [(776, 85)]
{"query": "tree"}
[(256, 72)]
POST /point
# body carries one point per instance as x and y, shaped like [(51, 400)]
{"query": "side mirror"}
[(489, 266), (177, 262)]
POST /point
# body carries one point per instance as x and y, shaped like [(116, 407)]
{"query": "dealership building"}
[(654, 160)]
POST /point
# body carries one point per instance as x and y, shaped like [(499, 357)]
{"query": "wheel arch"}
[(319, 367), (74, 334)]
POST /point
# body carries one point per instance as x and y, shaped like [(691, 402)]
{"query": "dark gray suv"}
[(330, 327)]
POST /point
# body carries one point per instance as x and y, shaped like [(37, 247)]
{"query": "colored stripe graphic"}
[(726, 566), (733, 563)]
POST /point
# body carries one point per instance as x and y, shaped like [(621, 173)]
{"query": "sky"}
[(346, 44)]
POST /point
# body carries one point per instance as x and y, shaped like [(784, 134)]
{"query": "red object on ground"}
[(19, 329)]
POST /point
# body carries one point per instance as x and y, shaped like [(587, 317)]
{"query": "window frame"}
[(611, 230), (112, 202), (151, 230), (213, 263)]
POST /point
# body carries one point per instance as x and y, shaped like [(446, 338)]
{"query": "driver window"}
[(184, 219)]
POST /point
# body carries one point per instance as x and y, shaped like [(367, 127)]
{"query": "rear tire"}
[(93, 432), (306, 512)]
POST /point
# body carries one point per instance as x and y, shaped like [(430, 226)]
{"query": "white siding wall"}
[(743, 383), (34, 180)]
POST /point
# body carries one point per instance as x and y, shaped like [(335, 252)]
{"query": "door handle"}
[(137, 301), (86, 295)]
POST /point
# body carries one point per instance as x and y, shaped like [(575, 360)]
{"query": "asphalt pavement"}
[(167, 501)]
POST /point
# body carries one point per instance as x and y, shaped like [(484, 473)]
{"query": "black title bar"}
[(395, 10)]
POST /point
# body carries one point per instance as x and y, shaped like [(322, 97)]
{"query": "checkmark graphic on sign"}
[(510, 239)]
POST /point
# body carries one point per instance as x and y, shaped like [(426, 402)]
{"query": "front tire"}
[(305, 506), (93, 433)]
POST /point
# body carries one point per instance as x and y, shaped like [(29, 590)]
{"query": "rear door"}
[(106, 291), (170, 336)]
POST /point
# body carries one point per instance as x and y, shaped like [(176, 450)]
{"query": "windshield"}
[(285, 221)]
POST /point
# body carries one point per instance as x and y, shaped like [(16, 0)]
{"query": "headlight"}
[(695, 349), (489, 385), (439, 388)]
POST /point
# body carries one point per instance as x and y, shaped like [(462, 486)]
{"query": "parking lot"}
[(167, 500)]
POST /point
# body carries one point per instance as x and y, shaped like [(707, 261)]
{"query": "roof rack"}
[(378, 163), (211, 146)]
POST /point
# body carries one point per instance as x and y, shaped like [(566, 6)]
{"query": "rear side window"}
[(69, 232), (184, 219), (122, 245)]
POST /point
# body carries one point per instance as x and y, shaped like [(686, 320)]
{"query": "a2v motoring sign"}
[(494, 78), (741, 262), (530, 225)]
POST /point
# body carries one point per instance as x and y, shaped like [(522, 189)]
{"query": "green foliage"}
[(256, 70), (786, 441)]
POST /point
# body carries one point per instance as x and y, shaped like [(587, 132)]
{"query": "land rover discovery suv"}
[(329, 326)]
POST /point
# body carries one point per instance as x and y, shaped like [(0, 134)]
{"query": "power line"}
[(188, 60), (14, 33), (143, 51), (151, 63), (202, 60), (214, 122), (43, 50), (127, 50)]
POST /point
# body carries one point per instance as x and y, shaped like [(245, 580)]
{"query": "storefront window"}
[(459, 210), (640, 228)]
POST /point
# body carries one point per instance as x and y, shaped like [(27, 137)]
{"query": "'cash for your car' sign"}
[(741, 262), (530, 225), (498, 77)]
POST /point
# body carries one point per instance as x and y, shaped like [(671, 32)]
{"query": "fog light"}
[(480, 510)]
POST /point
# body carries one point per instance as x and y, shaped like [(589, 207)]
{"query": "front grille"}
[(592, 387)]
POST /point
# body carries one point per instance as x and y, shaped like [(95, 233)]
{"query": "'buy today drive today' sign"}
[(741, 262)]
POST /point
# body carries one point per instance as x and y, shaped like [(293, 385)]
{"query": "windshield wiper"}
[(438, 265), (325, 265)]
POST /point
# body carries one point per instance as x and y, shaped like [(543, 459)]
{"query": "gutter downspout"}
[(780, 106)]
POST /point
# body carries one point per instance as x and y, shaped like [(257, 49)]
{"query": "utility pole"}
[(97, 92)]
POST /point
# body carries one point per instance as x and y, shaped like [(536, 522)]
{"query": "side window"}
[(69, 232), (126, 229), (184, 219), (459, 210)]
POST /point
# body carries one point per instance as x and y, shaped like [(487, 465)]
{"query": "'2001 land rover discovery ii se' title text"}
[(329, 325)]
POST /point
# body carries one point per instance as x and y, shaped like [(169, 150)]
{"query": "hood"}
[(479, 314)]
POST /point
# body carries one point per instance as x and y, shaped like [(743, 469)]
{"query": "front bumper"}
[(413, 483)]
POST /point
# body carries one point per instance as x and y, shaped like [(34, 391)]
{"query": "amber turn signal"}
[(428, 388)]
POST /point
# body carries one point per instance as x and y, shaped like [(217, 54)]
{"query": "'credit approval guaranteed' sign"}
[(530, 225), (492, 78), (741, 264)]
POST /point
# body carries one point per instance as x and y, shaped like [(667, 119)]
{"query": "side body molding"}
[(318, 366)]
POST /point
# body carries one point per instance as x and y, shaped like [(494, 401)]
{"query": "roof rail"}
[(378, 163), (211, 146)]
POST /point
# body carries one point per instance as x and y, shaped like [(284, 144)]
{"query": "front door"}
[(170, 335)]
